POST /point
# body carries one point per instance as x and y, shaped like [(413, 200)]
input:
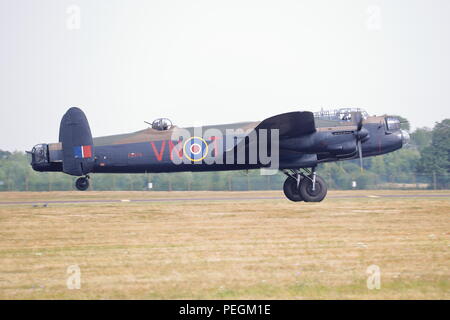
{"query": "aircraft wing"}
[(291, 124)]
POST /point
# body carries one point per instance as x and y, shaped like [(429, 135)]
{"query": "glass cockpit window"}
[(342, 114), (392, 124), (345, 116), (39, 153), (161, 124)]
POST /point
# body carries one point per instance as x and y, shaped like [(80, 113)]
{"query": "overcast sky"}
[(211, 62)]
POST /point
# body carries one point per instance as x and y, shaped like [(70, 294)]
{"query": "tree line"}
[(424, 163)]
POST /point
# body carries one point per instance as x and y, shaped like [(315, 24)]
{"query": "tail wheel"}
[(291, 191), (82, 184), (310, 195)]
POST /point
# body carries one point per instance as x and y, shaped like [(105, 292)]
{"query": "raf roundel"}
[(195, 149)]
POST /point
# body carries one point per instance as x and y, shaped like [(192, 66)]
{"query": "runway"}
[(224, 244), (88, 201)]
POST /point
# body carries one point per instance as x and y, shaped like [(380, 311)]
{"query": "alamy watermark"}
[(73, 281), (73, 20), (374, 279), (374, 19), (232, 147)]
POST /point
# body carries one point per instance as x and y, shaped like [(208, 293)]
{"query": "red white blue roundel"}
[(195, 149)]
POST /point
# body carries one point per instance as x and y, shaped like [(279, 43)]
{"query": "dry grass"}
[(224, 249)]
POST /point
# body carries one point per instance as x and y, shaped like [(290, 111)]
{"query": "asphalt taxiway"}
[(87, 201)]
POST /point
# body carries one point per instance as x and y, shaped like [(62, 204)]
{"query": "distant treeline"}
[(425, 163)]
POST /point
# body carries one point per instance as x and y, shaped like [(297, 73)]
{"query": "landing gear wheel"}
[(82, 183), (291, 191), (310, 195)]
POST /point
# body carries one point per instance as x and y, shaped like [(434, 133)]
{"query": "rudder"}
[(77, 144)]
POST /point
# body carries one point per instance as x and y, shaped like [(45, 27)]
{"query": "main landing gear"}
[(82, 183), (304, 185)]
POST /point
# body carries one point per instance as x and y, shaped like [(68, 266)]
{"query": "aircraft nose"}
[(405, 137)]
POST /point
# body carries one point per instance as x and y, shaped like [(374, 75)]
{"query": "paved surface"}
[(440, 195)]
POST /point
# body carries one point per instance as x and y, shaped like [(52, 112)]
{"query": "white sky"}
[(210, 62)]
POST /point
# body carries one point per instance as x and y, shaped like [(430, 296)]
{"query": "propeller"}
[(360, 155), (359, 134), (358, 120)]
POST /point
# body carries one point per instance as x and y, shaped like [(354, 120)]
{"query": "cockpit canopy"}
[(161, 124), (392, 124), (342, 114)]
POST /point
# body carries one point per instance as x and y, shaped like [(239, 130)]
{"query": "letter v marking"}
[(161, 152)]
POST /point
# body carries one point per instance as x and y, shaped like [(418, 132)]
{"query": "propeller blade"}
[(359, 120), (359, 135), (360, 155)]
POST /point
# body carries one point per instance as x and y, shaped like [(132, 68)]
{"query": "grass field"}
[(225, 249)]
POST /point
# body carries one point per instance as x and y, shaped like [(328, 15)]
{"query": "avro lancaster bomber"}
[(294, 143)]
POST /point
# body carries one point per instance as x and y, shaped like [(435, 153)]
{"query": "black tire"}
[(82, 184), (308, 194), (291, 191)]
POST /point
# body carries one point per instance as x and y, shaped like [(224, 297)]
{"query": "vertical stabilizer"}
[(76, 138)]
